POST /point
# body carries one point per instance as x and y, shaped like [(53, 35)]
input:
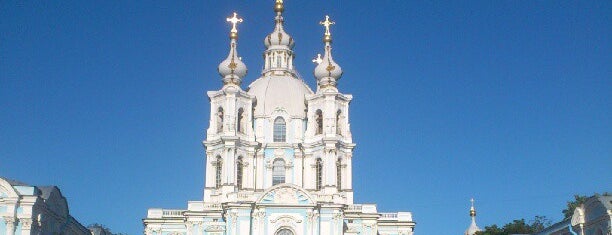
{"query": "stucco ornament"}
[(215, 228), (286, 196)]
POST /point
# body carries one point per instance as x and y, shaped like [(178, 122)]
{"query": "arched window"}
[(319, 174), (339, 174), (280, 130), (319, 119), (218, 169), (278, 61), (239, 168), (220, 120), (278, 172), (240, 122), (284, 231), (339, 122)]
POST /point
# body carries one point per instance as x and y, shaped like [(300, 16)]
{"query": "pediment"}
[(6, 190), (286, 194)]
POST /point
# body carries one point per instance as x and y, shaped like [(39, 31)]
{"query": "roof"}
[(45, 191), (284, 92), (15, 182)]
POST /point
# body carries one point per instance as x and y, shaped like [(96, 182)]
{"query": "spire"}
[(279, 44), (232, 69), (278, 6), (473, 227), (327, 72)]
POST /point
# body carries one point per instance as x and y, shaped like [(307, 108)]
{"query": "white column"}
[(259, 170), (10, 224), (348, 173), (26, 226), (330, 166), (297, 169)]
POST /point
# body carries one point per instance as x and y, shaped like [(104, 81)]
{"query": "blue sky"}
[(506, 101)]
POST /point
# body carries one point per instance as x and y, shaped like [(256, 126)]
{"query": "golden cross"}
[(279, 1), (317, 60), (234, 20), (472, 200), (326, 24)]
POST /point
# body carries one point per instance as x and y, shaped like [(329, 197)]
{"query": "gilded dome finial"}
[(234, 21), (278, 6), (327, 23), (232, 69), (473, 227), (472, 209)]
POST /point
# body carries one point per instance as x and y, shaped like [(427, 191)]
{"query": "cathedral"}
[(278, 153)]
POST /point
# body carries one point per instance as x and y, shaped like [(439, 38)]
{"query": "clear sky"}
[(509, 102)]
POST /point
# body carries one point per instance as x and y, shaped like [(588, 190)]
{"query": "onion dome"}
[(327, 72), (232, 69), (473, 227), (279, 38)]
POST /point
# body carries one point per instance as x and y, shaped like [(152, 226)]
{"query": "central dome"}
[(285, 92)]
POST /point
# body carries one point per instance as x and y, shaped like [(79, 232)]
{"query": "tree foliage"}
[(517, 227), (571, 205)]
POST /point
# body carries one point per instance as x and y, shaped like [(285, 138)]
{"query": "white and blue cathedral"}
[(278, 154)]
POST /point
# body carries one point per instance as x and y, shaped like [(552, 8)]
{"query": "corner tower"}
[(230, 139)]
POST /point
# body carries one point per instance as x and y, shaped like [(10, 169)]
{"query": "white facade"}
[(278, 155), (31, 210)]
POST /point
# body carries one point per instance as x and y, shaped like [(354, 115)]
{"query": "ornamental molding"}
[(26, 223), (285, 194), (286, 219), (10, 220), (215, 228)]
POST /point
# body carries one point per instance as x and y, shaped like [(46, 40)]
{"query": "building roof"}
[(285, 92)]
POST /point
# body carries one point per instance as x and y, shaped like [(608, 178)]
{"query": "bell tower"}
[(230, 141), (328, 140)]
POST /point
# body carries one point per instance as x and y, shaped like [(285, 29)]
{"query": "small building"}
[(27, 209), (593, 217)]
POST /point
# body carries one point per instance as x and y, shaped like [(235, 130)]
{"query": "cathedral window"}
[(319, 119), (339, 174), (284, 231), (220, 120), (218, 168), (278, 172), (319, 174), (280, 130), (239, 169), (240, 122)]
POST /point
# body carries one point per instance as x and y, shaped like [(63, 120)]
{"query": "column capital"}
[(26, 223), (10, 220)]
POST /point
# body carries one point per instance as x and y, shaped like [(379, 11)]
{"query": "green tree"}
[(491, 230), (539, 223), (517, 227), (571, 205)]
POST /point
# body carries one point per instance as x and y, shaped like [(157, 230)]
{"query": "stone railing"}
[(388, 216), (399, 216), (361, 208), (157, 213), (354, 208), (245, 196), (173, 213)]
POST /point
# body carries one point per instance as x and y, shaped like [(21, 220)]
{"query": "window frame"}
[(279, 130)]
